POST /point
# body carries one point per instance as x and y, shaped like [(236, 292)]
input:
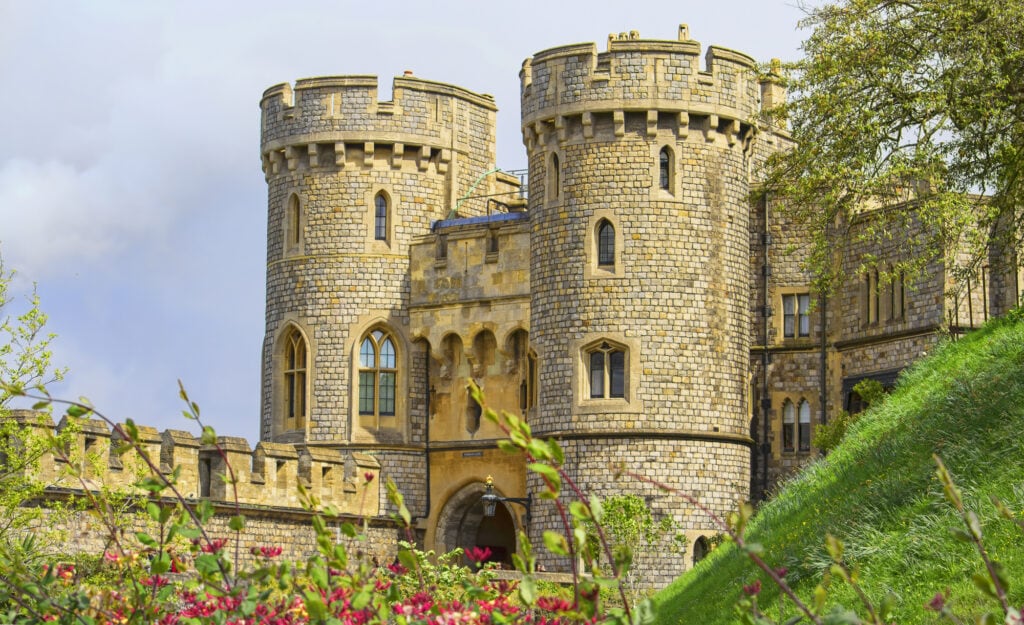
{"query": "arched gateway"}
[(462, 523)]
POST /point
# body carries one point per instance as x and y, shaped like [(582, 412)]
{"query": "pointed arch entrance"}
[(462, 523)]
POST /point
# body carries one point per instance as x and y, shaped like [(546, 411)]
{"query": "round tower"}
[(351, 181), (639, 179)]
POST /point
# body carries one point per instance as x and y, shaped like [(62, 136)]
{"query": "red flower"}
[(157, 580), (266, 551), (368, 476), (752, 589), (215, 546), (397, 568), (476, 554), (554, 604), (937, 603)]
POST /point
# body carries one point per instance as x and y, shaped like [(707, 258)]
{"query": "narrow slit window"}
[(605, 244), (665, 169), (380, 217)]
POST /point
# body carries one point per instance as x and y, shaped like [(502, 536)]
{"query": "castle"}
[(626, 296)]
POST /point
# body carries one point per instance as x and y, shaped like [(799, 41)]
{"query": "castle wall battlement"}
[(269, 475), (660, 78), (339, 121)]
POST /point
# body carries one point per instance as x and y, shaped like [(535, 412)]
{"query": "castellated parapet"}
[(267, 477), (564, 88)]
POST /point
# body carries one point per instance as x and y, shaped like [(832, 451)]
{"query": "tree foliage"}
[(914, 102), (25, 362)]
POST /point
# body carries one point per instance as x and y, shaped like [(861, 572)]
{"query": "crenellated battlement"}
[(565, 90), (338, 121), (268, 475)]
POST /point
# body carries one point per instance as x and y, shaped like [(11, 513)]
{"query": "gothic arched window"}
[(607, 371), (378, 373), (294, 385), (805, 426)]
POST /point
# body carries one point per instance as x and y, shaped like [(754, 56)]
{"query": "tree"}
[(25, 356), (906, 102), (630, 528), (25, 362)]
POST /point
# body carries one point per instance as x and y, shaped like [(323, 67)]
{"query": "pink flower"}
[(214, 546), (478, 555), (156, 580), (368, 476), (937, 603), (266, 551), (397, 568), (752, 589)]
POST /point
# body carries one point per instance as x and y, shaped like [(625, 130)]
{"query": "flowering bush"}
[(178, 573)]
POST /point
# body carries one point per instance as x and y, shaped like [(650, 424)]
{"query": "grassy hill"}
[(878, 493)]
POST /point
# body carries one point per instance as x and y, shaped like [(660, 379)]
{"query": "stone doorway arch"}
[(462, 523)]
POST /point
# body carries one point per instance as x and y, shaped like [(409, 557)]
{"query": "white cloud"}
[(56, 217)]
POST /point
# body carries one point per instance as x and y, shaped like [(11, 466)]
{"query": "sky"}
[(131, 193)]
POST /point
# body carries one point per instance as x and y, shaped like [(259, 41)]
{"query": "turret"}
[(639, 176), (351, 182)]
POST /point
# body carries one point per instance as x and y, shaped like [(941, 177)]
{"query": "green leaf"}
[(349, 530), (208, 437), (39, 405), (160, 564), (549, 473), (579, 511), (362, 598), (834, 546), (596, 509), (556, 452), (319, 576), (528, 590), (76, 410), (315, 605), (237, 523), (204, 511), (973, 524), (889, 603), (508, 446), (538, 449), (556, 543), (145, 539), (985, 585), (841, 616), (408, 559)]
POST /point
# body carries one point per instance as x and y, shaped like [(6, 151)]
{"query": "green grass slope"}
[(878, 493)]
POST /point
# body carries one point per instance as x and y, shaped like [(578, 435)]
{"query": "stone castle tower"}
[(639, 182), (351, 182)]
